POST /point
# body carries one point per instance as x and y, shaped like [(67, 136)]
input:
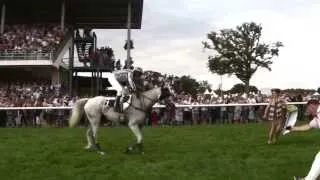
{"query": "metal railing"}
[(157, 106), (23, 55), (198, 114)]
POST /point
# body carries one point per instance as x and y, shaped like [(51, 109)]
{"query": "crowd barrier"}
[(182, 114), (155, 106)]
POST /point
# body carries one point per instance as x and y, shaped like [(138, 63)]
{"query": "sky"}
[(172, 31)]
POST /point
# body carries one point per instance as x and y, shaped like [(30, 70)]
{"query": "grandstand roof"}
[(96, 14)]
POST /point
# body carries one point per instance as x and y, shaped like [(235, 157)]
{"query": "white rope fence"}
[(155, 106)]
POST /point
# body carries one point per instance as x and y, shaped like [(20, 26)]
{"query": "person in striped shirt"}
[(276, 113)]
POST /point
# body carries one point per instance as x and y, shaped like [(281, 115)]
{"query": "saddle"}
[(121, 105)]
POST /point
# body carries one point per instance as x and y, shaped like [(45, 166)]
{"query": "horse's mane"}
[(151, 89)]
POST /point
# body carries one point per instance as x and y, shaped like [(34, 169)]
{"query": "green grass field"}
[(219, 152)]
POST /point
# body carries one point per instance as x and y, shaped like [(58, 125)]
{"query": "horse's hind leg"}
[(94, 121), (95, 137), (95, 126), (89, 138), (95, 134)]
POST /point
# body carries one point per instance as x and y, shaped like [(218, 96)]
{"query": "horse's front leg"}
[(137, 132)]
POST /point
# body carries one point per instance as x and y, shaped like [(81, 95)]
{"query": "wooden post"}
[(3, 17)]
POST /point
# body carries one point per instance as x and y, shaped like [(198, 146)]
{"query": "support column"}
[(129, 31), (100, 82), (94, 42), (3, 17), (63, 14), (55, 76), (71, 60), (97, 81), (76, 84), (92, 83)]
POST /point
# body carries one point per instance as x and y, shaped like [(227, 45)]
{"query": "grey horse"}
[(96, 107)]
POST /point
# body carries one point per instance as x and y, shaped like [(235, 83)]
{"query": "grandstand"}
[(37, 35)]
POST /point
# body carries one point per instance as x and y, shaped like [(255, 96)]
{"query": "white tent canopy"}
[(212, 93)]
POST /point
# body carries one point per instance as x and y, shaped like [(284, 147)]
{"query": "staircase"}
[(84, 48), (63, 48)]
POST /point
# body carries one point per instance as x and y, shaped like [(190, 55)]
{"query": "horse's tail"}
[(77, 112)]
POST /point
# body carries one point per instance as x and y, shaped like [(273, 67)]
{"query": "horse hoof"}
[(128, 150), (102, 153), (87, 147)]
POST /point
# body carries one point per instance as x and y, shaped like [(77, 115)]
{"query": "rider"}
[(126, 77), (138, 80)]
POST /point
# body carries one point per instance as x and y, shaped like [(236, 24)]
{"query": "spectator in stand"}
[(204, 111), (37, 38), (37, 121), (237, 114), (154, 117), (187, 114), (179, 112)]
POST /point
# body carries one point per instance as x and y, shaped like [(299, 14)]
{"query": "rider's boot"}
[(121, 104), (137, 94), (117, 106)]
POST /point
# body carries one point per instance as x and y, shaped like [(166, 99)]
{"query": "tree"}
[(298, 91), (186, 84), (203, 85), (240, 52), (240, 88)]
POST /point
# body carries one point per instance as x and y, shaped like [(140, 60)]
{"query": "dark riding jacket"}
[(138, 81)]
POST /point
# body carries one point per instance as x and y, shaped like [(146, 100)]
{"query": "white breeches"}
[(131, 83), (314, 171), (292, 118), (115, 84)]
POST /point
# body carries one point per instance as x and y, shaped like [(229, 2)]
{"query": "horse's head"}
[(158, 94)]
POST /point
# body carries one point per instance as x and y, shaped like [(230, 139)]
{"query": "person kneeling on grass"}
[(314, 172), (312, 109), (292, 116)]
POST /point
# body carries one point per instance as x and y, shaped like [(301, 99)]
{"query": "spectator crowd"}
[(32, 94), (212, 114), (24, 40)]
